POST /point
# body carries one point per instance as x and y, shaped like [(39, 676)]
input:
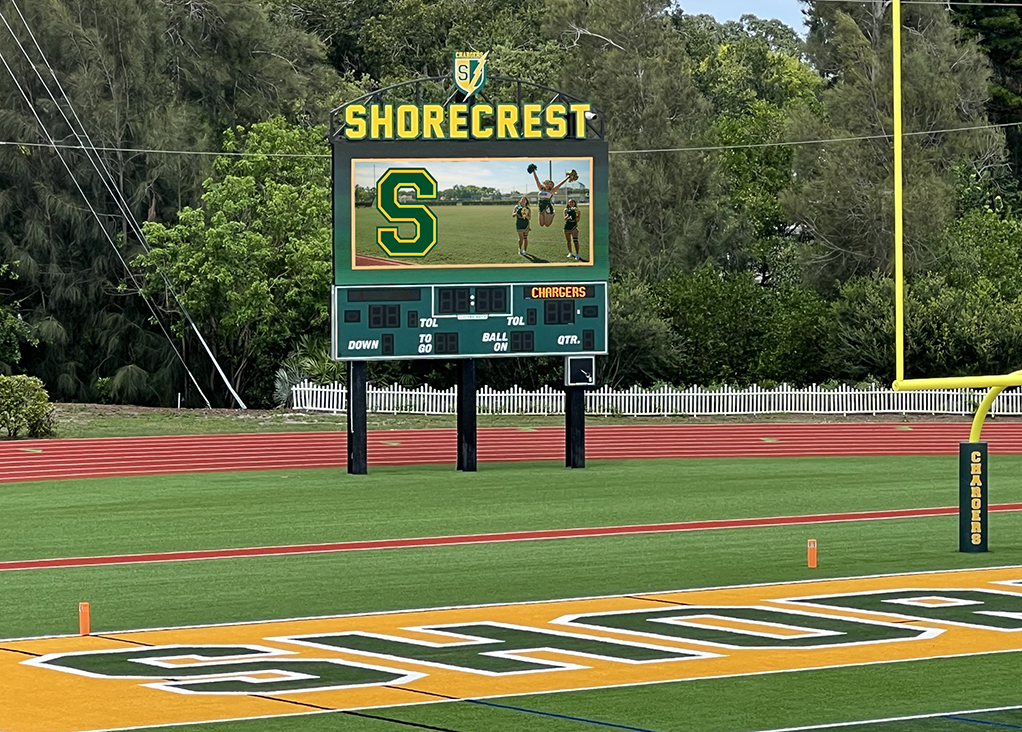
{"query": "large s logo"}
[(401, 212)]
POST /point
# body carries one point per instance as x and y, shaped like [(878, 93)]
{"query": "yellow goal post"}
[(996, 383)]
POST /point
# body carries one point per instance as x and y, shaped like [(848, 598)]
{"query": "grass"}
[(480, 235), (218, 510), (179, 512), (229, 590), (93, 420), (149, 595)]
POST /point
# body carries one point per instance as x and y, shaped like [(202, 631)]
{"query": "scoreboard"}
[(467, 227), (470, 320)]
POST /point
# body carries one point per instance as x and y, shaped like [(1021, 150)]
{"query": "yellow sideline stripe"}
[(41, 699)]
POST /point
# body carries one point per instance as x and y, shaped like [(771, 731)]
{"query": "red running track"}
[(57, 459)]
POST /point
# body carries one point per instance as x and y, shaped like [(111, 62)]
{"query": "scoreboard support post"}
[(574, 427), (358, 452), (467, 415), (406, 284)]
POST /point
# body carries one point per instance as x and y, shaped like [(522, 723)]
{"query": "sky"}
[(787, 11), (505, 175)]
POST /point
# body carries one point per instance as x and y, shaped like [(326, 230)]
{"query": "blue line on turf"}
[(984, 721), (560, 716)]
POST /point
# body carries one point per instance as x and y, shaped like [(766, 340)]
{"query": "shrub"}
[(25, 407)]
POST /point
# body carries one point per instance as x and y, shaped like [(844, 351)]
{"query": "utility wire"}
[(705, 148), (32, 109), (88, 202), (109, 183), (151, 151), (816, 142), (122, 203), (94, 212), (108, 180)]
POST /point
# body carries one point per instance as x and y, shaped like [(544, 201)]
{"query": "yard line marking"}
[(417, 725), (978, 642), (984, 721), (885, 720), (634, 595), (489, 538), (482, 703)]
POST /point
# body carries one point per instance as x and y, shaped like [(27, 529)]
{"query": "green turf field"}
[(102, 516), (480, 235)]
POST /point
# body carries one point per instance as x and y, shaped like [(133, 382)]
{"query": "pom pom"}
[(573, 176), (532, 168)]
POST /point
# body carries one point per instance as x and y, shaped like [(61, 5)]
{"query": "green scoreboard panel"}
[(470, 320), (430, 221)]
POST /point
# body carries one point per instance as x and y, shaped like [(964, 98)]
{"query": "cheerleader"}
[(522, 216), (571, 227), (546, 196)]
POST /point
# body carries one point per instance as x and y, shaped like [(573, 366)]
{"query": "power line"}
[(88, 203), (706, 148), (105, 176), (151, 151), (109, 182), (815, 142)]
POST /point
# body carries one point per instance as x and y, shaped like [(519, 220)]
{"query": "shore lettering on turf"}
[(279, 668)]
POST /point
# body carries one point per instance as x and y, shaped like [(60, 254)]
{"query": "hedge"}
[(25, 407)]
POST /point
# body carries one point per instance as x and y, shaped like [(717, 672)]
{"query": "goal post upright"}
[(899, 205), (973, 471)]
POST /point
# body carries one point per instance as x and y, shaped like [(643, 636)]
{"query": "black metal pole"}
[(574, 427), (467, 415), (358, 452)]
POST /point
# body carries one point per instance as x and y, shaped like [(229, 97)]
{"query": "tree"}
[(755, 92), (644, 349), (998, 31), (337, 23), (665, 208), (252, 264), (702, 34), (409, 39), (983, 251), (13, 333), (141, 76), (732, 330), (842, 196)]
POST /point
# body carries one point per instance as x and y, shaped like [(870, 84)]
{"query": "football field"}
[(684, 628), (480, 235)]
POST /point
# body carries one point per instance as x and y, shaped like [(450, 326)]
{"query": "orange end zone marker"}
[(83, 618), (812, 553)]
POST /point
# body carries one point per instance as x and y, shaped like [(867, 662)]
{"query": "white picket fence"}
[(664, 401)]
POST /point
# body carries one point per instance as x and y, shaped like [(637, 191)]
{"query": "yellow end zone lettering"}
[(244, 671)]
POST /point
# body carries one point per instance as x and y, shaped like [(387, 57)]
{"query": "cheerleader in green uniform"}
[(571, 227), (547, 189), (522, 216)]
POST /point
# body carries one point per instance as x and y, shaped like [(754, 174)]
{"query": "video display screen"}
[(471, 212)]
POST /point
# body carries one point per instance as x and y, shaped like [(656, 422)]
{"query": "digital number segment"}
[(452, 300), (491, 299)]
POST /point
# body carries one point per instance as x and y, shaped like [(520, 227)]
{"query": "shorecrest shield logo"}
[(470, 72)]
